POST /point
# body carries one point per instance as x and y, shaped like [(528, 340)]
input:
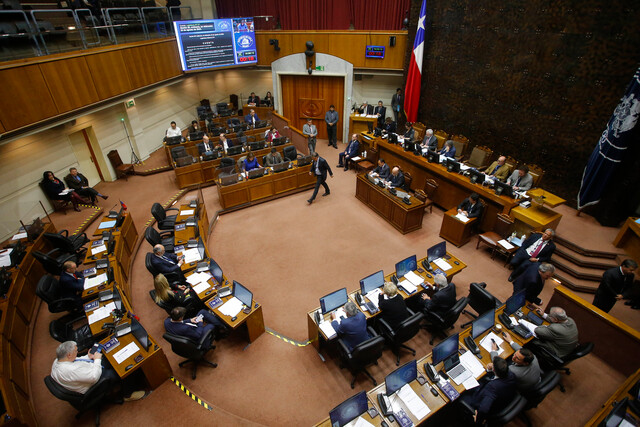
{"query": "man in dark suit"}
[(389, 126), (71, 282), (382, 170), (396, 179), (253, 99), (365, 108), (353, 328), (194, 328), (352, 151), (533, 280), (381, 112), (536, 248), (273, 158), (430, 141), (443, 299), (319, 168), (205, 146), (252, 118), (397, 103), (80, 184), (392, 306), (166, 263), (471, 207), (614, 283)]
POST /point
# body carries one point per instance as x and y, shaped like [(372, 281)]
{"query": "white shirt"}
[(531, 249), (173, 132), (79, 375), (225, 145)]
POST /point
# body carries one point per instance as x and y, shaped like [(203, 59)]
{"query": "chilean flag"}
[(414, 76)]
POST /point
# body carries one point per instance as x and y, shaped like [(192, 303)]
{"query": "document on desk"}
[(128, 351), (327, 329), (5, 257), (191, 255), (18, 236), (95, 281), (187, 212), (356, 158), (505, 244), (486, 342), (442, 264), (201, 287), (373, 296), (462, 218), (361, 422), (418, 408), (473, 365), (196, 278), (106, 224), (98, 249), (470, 383), (231, 307), (407, 286), (414, 278), (101, 313), (530, 326)]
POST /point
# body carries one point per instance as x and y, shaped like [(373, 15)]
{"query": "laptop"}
[(257, 173), (229, 179), (280, 167)]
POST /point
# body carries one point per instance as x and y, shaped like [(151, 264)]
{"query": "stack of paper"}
[(327, 329), (418, 408), (191, 255), (462, 218), (530, 326), (407, 286), (357, 158), (373, 296), (232, 307), (20, 235), (473, 365), (486, 343), (98, 249), (187, 212), (125, 353), (442, 264), (414, 278), (196, 278), (106, 224), (361, 422), (101, 313), (95, 281), (201, 287), (505, 244)]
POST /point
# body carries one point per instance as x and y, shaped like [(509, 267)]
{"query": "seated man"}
[(561, 336), (430, 142), (365, 108), (498, 169), (536, 248), (80, 184), (521, 179), (353, 328), (224, 143), (389, 126), (252, 118), (352, 151), (444, 297), (448, 150), (273, 158), (166, 263), (471, 207), (205, 146), (392, 306), (79, 374), (194, 328), (173, 130), (533, 280), (524, 365), (396, 179), (253, 99), (71, 282), (382, 170)]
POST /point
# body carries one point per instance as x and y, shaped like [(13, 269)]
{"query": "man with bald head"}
[(498, 169), (561, 336), (166, 263), (396, 179), (71, 282), (352, 151)]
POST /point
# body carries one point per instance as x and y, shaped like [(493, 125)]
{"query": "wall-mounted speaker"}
[(392, 41)]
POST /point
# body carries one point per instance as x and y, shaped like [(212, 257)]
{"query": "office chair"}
[(177, 276), (193, 351), (162, 304), (233, 122), (547, 383), (160, 214), (226, 162), (443, 323), (504, 415), (68, 244), (47, 290), (289, 153), (362, 355), (480, 300), (405, 331), (154, 237), (54, 264), (549, 361), (92, 399), (178, 152), (62, 330), (58, 205)]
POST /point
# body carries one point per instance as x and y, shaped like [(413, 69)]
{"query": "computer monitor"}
[(193, 136), (255, 146), (618, 414), (409, 146), (140, 333), (210, 155), (280, 167), (120, 218), (371, 282), (334, 300), (432, 156), (117, 298), (401, 376), (406, 265), (452, 165), (349, 410), (215, 271), (445, 349), (229, 179), (236, 149), (304, 160), (437, 251), (502, 188), (393, 138), (256, 173), (278, 141), (515, 302), (243, 294), (110, 275), (173, 140), (475, 176), (483, 323)]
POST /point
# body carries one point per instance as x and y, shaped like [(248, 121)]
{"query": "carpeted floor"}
[(289, 254)]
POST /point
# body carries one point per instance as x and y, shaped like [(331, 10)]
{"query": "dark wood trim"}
[(582, 251)]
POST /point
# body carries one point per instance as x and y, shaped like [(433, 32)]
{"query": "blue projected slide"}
[(211, 43)]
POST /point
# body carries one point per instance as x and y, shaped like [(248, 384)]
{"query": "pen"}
[(423, 398)]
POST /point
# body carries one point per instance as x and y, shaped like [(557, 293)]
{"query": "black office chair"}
[(226, 162), (290, 153), (549, 361), (548, 382), (233, 122), (193, 351), (480, 300), (92, 399), (48, 290), (171, 277), (53, 261), (439, 325), (362, 355), (154, 238), (178, 152), (68, 244), (62, 330), (496, 418), (403, 333), (160, 214)]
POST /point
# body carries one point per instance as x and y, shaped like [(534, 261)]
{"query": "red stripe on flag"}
[(412, 90)]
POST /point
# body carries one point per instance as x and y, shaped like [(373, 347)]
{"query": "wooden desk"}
[(549, 199), (89, 294), (620, 394), (90, 257), (263, 113), (358, 123), (454, 230), (254, 320), (537, 218), (628, 238), (181, 237), (404, 218), (377, 421)]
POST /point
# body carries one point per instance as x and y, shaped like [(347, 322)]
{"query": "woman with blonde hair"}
[(171, 297), (392, 307)]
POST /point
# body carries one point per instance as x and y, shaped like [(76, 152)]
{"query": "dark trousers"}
[(519, 262), (88, 192), (343, 161), (332, 135), (320, 181), (604, 302)]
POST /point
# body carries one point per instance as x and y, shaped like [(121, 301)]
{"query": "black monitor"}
[(393, 138), (437, 251), (475, 176), (349, 410), (483, 323), (193, 136), (117, 298), (617, 415), (452, 165), (229, 179), (173, 140), (120, 218), (445, 349), (140, 333), (370, 126), (259, 145), (515, 302), (502, 188), (432, 156), (210, 155), (401, 376), (409, 146), (278, 141), (304, 160), (406, 265), (371, 282), (334, 300), (236, 149), (110, 275), (243, 294), (215, 271), (201, 249), (256, 173), (280, 167)]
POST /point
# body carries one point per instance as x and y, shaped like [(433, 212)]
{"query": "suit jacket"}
[(527, 377), (474, 211), (253, 100), (545, 253), (397, 180), (393, 310), (442, 300), (202, 149), (247, 118), (310, 131), (71, 286), (74, 184), (352, 330), (396, 102), (168, 264), (430, 143), (531, 281), (383, 171), (53, 189), (525, 182), (451, 153), (186, 328), (382, 111), (493, 396), (368, 111), (273, 159), (390, 127), (410, 134), (353, 148), (613, 283), (560, 338), (502, 173), (323, 166)]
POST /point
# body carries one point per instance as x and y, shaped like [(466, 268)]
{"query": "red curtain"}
[(320, 15)]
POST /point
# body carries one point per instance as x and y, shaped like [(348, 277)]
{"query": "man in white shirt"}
[(536, 248), (224, 144), (173, 130)]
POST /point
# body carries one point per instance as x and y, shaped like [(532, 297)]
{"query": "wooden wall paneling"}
[(109, 73), (2, 129), (70, 83), (17, 368), (167, 60), (140, 63), (18, 332), (349, 47), (266, 52), (24, 97), (8, 394), (393, 56), (27, 413)]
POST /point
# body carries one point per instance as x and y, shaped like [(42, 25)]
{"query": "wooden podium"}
[(359, 124), (454, 230)]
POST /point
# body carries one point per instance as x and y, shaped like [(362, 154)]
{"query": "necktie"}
[(74, 275), (495, 170), (517, 182), (537, 250)]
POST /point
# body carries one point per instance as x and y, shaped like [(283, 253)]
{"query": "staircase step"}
[(578, 271), (584, 261), (588, 286), (612, 254)]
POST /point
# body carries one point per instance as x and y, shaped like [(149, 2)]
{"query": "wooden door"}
[(311, 96)]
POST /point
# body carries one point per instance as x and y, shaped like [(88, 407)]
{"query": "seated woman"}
[(268, 99), (251, 162), (175, 295), (392, 306), (409, 132), (53, 187), (448, 150), (271, 134)]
